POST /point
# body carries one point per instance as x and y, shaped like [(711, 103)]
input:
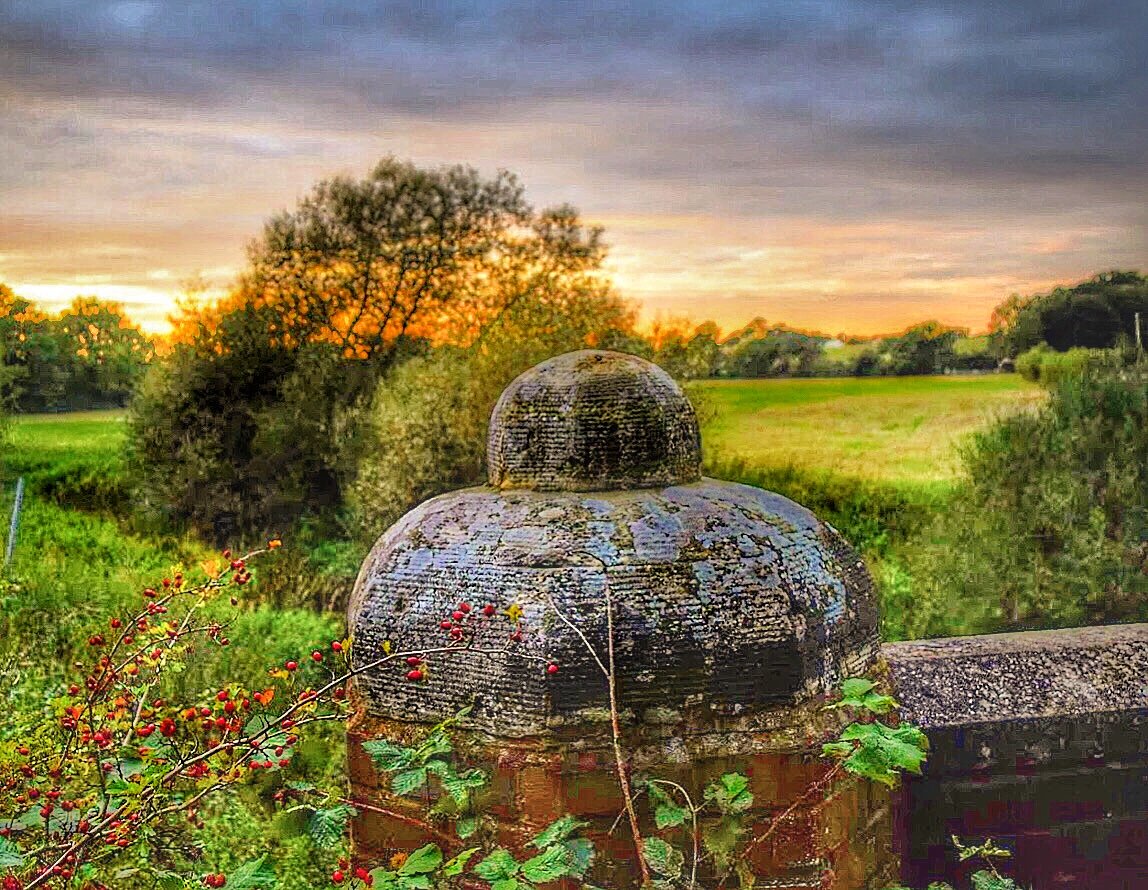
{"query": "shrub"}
[(1050, 524)]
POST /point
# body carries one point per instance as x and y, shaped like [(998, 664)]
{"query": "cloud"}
[(981, 134)]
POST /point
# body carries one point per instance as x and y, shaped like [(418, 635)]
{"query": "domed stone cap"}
[(727, 601), (592, 421)]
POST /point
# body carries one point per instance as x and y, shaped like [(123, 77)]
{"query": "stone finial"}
[(593, 421)]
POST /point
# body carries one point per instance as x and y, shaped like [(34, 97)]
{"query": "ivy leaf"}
[(667, 814), (388, 757), (10, 855), (252, 875), (422, 861), (326, 827), (455, 866), (557, 831), (662, 858), (498, 866), (409, 780), (731, 793)]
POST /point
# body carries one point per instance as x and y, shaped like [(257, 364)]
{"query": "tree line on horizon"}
[(91, 355)]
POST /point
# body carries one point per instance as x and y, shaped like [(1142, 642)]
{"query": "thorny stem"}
[(616, 728), (785, 814), (694, 833)]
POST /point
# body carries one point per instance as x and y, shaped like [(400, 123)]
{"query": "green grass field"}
[(898, 430)]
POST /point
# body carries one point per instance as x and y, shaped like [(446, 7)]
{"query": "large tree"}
[(254, 418)]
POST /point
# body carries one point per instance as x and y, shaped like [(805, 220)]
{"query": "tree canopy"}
[(88, 356), (256, 416)]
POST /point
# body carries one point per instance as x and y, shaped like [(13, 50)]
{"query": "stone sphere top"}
[(593, 420)]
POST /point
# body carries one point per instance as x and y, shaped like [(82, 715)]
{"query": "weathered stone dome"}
[(593, 420), (726, 599)]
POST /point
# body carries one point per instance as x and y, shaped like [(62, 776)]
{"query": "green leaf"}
[(459, 785), (881, 752), (388, 757), (581, 853), (556, 831), (858, 693), (422, 861), (455, 866), (720, 840), (169, 881), (549, 865), (252, 875), (409, 780), (662, 858), (10, 855), (731, 793), (465, 826), (326, 827), (497, 866), (667, 814), (433, 745), (986, 880), (505, 884)]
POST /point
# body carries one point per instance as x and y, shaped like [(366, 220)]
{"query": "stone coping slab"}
[(995, 678)]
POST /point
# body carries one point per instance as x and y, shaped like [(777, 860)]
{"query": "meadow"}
[(902, 431)]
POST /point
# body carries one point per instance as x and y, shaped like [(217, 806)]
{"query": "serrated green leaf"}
[(433, 745), (255, 875), (388, 757), (497, 866), (327, 826), (663, 859), (505, 884), (551, 864), (455, 866), (581, 853), (556, 831), (986, 880), (169, 881), (409, 780), (667, 814), (721, 839), (10, 855), (465, 826), (730, 793), (422, 861), (855, 687)]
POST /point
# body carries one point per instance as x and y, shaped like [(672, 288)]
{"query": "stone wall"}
[(1040, 741)]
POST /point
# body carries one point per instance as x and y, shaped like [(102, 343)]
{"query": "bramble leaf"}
[(422, 861), (409, 780), (667, 814), (10, 855), (731, 793), (662, 858), (497, 866), (549, 865), (326, 827), (556, 831), (455, 866), (387, 756), (255, 875)]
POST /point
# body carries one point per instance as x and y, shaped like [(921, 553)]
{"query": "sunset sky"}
[(851, 165)]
